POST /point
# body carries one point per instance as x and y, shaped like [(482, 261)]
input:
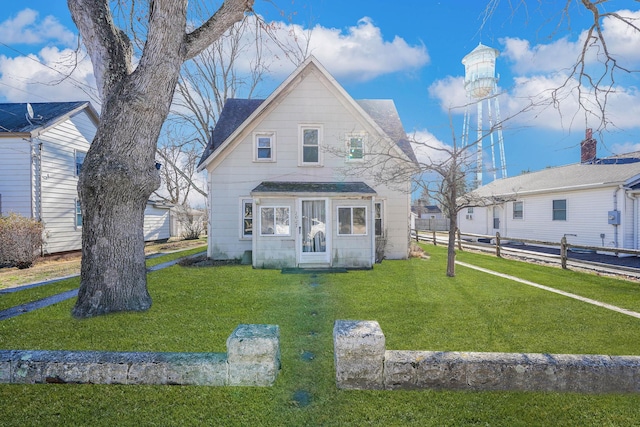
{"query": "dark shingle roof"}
[(13, 116), (313, 187), (234, 113)]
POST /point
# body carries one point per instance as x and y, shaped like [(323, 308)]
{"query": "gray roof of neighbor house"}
[(564, 178), (14, 117), (236, 111)]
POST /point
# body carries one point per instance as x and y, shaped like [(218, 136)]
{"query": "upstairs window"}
[(352, 221), (79, 155), (518, 210), (311, 142), (560, 210), (265, 147), (355, 147)]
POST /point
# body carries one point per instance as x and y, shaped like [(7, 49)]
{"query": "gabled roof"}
[(15, 119), (564, 178), (239, 112)]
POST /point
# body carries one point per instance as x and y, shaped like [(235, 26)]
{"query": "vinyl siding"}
[(587, 219), (59, 180), (156, 223), (312, 102), (15, 176)]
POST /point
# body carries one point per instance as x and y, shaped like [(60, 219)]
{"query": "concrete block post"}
[(253, 355), (359, 348)]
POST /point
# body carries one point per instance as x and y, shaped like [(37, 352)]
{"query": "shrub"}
[(20, 240)]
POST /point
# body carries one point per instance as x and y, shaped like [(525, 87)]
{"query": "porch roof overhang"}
[(312, 189)]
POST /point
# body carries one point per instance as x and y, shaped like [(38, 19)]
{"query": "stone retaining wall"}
[(252, 359), (362, 362)]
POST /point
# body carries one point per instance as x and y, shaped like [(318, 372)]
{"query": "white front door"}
[(313, 231)]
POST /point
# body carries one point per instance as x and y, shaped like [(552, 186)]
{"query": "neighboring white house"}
[(592, 203), (42, 148), (277, 180)]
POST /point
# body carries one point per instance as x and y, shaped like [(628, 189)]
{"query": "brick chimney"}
[(588, 147)]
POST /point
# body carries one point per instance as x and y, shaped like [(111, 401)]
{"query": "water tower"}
[(481, 85)]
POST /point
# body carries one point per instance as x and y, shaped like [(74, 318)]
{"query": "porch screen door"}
[(314, 220)]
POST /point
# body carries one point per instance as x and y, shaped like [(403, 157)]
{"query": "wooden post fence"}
[(563, 252), (498, 254)]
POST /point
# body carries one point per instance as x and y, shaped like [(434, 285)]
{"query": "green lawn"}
[(195, 309)]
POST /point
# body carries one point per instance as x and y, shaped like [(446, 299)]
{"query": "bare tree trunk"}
[(117, 178), (451, 246)]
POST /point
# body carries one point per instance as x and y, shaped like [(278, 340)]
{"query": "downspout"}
[(615, 208), (36, 179), (634, 222)]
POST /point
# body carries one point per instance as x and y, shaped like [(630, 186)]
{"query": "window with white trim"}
[(78, 214), (310, 145), (274, 221), (560, 210), (378, 218), (79, 157), (352, 220), (355, 147), (247, 218), (265, 146), (518, 210)]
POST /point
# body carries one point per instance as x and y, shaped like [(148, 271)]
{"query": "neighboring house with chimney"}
[(279, 182), (592, 203), (42, 148)]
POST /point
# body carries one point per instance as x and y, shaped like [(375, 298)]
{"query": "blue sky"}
[(410, 51)]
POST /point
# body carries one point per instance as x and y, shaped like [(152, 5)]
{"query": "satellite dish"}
[(29, 110)]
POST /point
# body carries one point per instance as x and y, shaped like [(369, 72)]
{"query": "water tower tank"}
[(480, 71)]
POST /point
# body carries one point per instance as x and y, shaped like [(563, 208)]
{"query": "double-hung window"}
[(378, 218), (274, 221), (78, 214), (355, 147), (310, 145), (352, 221), (518, 210), (246, 209), (560, 210), (264, 146), (79, 157)]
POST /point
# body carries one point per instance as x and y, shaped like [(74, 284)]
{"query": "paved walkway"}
[(557, 291), (53, 299)]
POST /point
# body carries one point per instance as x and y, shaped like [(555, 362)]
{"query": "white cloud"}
[(359, 53), (626, 147), (428, 148), (25, 28), (451, 94), (51, 75)]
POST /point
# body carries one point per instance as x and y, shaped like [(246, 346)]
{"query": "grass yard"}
[(195, 309)]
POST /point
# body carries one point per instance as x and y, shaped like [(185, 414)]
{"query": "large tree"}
[(119, 173)]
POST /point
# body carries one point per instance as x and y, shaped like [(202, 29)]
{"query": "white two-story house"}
[(292, 178)]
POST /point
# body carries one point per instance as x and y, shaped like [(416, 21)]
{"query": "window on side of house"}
[(79, 157), (310, 145), (355, 147), (378, 218), (274, 221), (78, 214), (518, 210), (265, 146), (560, 210), (246, 210), (352, 221)]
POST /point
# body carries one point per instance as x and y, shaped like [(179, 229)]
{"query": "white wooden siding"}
[(59, 180), (157, 224), (237, 175), (15, 176), (587, 219)]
